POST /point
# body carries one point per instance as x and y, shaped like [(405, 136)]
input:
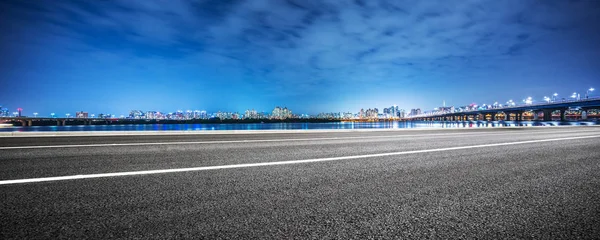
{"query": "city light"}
[(282, 113)]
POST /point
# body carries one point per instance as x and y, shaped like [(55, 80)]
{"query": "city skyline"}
[(312, 56), (549, 98)]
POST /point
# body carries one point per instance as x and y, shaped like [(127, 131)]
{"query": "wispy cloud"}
[(293, 47)]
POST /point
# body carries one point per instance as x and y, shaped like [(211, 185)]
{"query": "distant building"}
[(402, 113), (348, 115), (136, 114), (369, 113), (391, 112), (4, 112), (81, 114), (414, 112), (251, 114), (20, 111), (151, 115), (281, 113)]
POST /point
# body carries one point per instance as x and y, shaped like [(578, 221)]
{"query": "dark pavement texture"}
[(533, 190)]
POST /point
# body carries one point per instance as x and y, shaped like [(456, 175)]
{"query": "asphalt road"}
[(483, 183)]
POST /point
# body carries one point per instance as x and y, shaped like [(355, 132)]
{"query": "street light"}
[(52, 115), (587, 93), (35, 114), (510, 103), (547, 99), (68, 114), (554, 95), (574, 96), (93, 115)]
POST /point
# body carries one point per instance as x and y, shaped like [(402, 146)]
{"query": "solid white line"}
[(117, 174), (272, 140)]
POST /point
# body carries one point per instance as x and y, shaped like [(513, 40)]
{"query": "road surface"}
[(462, 183)]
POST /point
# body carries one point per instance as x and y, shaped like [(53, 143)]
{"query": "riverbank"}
[(307, 131)]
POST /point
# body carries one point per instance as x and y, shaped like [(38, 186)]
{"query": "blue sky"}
[(312, 56)]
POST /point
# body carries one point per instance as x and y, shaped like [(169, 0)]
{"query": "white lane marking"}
[(275, 140), (159, 171)]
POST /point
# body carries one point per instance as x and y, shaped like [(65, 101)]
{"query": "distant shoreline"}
[(76, 122)]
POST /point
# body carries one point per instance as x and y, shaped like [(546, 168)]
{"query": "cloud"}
[(295, 47)]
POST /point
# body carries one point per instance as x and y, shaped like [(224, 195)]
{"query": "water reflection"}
[(292, 126)]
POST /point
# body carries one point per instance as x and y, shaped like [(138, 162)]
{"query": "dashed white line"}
[(159, 171)]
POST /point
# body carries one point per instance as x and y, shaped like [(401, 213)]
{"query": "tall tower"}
[(20, 110)]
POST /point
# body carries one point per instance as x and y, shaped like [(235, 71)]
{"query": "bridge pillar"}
[(547, 115), (29, 123), (563, 116), (583, 114), (64, 122), (536, 116), (494, 116), (519, 116)]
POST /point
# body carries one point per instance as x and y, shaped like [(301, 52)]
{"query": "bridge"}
[(538, 112)]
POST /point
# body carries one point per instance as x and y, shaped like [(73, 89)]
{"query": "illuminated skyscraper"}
[(281, 113), (4, 112)]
